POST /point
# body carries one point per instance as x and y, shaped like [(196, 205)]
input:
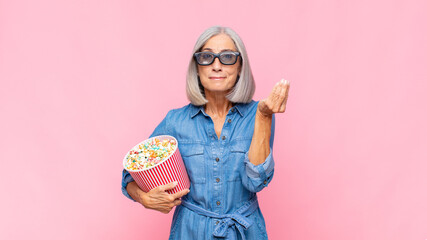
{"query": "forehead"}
[(219, 43)]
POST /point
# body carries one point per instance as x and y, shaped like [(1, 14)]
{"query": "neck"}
[(218, 105)]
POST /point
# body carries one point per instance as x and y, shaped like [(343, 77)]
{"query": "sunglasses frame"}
[(216, 55)]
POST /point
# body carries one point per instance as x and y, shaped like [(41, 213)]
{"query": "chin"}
[(218, 90)]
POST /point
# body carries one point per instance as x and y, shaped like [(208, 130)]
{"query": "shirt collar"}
[(240, 107)]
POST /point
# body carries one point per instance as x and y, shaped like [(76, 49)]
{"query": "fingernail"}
[(175, 183)]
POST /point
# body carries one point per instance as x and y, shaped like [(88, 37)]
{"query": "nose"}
[(217, 65)]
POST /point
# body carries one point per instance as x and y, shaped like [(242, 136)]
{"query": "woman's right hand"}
[(157, 198)]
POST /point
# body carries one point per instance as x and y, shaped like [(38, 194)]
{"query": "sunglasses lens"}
[(228, 58), (207, 58), (204, 58)]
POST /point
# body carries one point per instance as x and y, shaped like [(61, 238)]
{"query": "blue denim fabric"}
[(222, 177)]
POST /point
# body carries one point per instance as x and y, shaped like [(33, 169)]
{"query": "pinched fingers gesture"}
[(276, 101)]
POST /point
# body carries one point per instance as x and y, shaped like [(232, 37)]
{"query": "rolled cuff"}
[(262, 173), (126, 178)]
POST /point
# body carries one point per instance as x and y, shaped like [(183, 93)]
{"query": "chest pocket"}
[(235, 163), (194, 161)]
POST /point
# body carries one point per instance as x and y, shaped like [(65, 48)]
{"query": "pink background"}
[(83, 81)]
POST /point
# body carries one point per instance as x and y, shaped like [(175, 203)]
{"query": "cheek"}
[(233, 71), (202, 71)]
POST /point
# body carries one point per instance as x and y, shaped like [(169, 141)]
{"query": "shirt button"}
[(223, 137), (218, 203), (232, 110), (216, 223), (229, 120), (217, 159), (217, 180), (265, 181)]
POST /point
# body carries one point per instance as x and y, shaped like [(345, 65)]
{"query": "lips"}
[(216, 78)]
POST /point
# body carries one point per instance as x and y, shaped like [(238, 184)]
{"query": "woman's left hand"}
[(276, 101)]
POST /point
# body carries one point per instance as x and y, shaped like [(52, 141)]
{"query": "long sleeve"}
[(259, 176), (162, 129)]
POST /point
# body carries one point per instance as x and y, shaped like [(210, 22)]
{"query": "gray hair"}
[(242, 91)]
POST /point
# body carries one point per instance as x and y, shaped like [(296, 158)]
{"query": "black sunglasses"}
[(207, 58)]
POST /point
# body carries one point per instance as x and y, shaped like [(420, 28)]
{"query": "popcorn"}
[(149, 153)]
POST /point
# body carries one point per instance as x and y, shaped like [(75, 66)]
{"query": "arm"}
[(275, 103), (157, 199), (259, 159), (260, 145), (161, 129), (258, 176)]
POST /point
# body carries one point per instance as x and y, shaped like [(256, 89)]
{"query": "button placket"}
[(216, 171)]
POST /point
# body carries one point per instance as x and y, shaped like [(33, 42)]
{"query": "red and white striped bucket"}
[(169, 170)]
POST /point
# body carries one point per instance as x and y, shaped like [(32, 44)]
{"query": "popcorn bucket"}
[(168, 170)]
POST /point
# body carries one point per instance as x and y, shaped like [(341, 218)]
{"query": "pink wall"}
[(80, 81)]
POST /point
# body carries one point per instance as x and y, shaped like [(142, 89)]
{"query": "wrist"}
[(134, 191), (142, 198), (263, 115)]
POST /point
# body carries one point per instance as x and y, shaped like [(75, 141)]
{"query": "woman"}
[(225, 139)]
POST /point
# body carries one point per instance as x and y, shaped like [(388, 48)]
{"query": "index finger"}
[(285, 92), (180, 194), (168, 186)]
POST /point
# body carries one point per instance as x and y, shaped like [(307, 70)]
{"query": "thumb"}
[(261, 103), (168, 186)]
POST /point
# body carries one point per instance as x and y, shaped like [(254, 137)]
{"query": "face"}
[(219, 78)]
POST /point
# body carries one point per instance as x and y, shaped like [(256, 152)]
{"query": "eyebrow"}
[(223, 50)]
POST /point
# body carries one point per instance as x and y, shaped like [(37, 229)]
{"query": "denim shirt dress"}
[(223, 180)]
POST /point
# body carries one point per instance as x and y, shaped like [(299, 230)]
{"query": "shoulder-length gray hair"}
[(242, 91)]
